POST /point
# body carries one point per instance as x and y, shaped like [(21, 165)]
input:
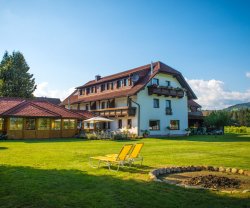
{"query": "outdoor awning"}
[(97, 120)]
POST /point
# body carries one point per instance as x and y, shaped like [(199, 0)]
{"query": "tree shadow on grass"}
[(210, 138), (29, 187), (3, 148), (134, 168), (47, 140)]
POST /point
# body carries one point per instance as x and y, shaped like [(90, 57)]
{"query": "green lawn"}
[(55, 173)]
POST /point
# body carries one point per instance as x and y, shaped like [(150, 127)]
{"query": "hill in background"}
[(238, 107)]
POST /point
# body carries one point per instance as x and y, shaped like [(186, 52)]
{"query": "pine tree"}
[(15, 81)]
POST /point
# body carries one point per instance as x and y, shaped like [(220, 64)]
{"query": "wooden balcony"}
[(166, 91), (116, 112)]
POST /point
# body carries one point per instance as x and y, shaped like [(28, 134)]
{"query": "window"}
[(87, 107), (102, 87), (154, 125), (108, 86), (43, 123), (80, 92), (129, 123), (125, 82), (108, 104), (174, 124), (155, 81), (30, 124), (56, 124), (103, 105), (168, 103), (118, 83), (87, 90), (1, 123), (156, 103), (168, 83), (120, 124), (16, 123), (69, 123), (168, 107)]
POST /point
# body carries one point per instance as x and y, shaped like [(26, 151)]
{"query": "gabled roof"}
[(34, 108), (116, 76), (145, 77)]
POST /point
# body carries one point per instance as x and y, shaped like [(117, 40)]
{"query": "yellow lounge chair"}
[(119, 159), (134, 154)]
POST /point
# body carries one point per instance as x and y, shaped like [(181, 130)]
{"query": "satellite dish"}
[(135, 77)]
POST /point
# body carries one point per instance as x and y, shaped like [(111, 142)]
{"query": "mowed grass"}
[(56, 173)]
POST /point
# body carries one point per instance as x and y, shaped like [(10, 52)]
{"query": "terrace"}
[(116, 112), (165, 91)]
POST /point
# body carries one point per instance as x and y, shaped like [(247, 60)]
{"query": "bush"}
[(91, 136), (237, 129), (120, 136)]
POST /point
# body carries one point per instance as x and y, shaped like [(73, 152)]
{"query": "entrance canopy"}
[(97, 120)]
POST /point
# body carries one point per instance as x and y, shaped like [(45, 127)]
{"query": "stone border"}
[(170, 170)]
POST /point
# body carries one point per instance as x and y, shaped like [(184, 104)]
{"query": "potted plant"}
[(188, 131), (145, 133)]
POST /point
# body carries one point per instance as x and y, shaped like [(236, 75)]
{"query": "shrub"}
[(91, 136), (237, 129)]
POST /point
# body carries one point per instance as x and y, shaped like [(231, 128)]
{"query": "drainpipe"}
[(68, 103), (139, 112)]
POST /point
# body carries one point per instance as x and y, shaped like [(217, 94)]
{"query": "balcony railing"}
[(166, 91), (116, 112), (195, 115), (169, 111)]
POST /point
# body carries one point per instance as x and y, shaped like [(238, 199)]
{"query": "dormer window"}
[(87, 90), (155, 81), (102, 87), (108, 86)]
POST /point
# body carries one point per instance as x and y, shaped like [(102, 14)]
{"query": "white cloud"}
[(43, 90), (212, 95), (248, 74)]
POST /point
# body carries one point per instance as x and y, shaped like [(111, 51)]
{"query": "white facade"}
[(148, 113)]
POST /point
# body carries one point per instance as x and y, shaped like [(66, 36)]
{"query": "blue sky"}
[(66, 43)]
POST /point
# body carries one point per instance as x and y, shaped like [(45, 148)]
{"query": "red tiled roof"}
[(7, 104), (34, 108), (158, 67), (84, 113), (117, 76)]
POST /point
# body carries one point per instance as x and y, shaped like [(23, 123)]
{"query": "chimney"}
[(97, 77), (151, 68)]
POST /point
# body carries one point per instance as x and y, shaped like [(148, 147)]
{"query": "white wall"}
[(148, 112)]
